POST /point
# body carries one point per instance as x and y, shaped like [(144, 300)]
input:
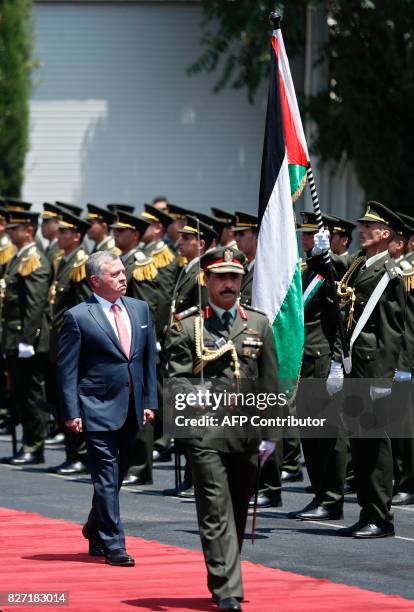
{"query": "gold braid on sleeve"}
[(207, 355)]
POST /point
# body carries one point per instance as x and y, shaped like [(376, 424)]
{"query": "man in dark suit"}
[(107, 381)]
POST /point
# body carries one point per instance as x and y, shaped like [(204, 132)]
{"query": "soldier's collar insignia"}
[(242, 312), (208, 312)]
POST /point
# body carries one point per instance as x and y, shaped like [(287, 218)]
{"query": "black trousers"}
[(108, 453), (26, 378)]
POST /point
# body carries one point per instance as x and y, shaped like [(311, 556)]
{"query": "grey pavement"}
[(307, 548)]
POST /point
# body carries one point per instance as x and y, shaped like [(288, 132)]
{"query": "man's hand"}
[(335, 380), (266, 448), (25, 350), (321, 242), (148, 416), (74, 425)]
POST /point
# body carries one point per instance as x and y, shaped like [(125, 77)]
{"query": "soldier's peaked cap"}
[(116, 207), (70, 221), (378, 213), (177, 212), (154, 215), (222, 260), (96, 213), (21, 217), (224, 216), (245, 221), (51, 211), (75, 210), (192, 225), (339, 225), (14, 204), (127, 221), (409, 223)]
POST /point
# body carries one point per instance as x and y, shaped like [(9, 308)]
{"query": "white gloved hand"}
[(266, 448), (401, 376), (321, 242), (25, 350), (335, 380), (377, 393)]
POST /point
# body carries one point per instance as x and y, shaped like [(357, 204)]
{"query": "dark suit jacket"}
[(94, 372)]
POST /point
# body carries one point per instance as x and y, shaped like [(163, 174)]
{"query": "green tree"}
[(15, 69), (366, 111)]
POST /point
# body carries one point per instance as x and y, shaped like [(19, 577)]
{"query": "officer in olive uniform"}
[(245, 233), (25, 340), (49, 229), (235, 343), (154, 246), (100, 221), (325, 458), (375, 353), (69, 288), (403, 448), (341, 233), (178, 214), (195, 239), (142, 284)]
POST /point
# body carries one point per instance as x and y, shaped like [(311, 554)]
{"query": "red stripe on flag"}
[(295, 151)]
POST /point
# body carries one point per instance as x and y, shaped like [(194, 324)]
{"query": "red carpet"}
[(43, 555)]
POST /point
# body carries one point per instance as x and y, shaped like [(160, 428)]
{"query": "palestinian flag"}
[(277, 284)]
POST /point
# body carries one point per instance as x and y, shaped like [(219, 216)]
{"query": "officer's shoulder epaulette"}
[(30, 262), (250, 307), (162, 254), (392, 268), (182, 261), (144, 267), (186, 313), (78, 272), (7, 249), (407, 274)]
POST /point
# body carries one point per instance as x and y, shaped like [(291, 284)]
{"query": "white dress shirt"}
[(109, 313)]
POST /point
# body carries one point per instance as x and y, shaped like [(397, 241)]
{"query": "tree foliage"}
[(366, 111), (15, 69)]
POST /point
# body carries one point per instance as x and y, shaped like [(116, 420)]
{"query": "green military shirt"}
[(27, 280), (247, 285), (252, 338), (166, 263)]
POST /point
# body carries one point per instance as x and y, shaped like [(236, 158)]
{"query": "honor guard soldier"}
[(25, 341), (7, 248), (69, 288), (115, 208), (245, 232), (325, 458), (50, 230), (178, 214), (373, 299), (232, 343), (100, 221), (341, 234), (164, 259), (227, 237), (142, 284), (403, 447)]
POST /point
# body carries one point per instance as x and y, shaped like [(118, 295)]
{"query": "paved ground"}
[(305, 548)]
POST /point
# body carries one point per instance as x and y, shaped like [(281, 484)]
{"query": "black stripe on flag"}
[(274, 147)]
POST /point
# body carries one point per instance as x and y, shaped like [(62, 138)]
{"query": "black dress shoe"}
[(175, 492), (186, 493), (22, 458), (229, 603), (321, 513), (96, 548), (312, 504), (267, 501), (363, 530), (130, 479), (403, 498), (70, 467), (374, 531), (291, 476), (119, 557)]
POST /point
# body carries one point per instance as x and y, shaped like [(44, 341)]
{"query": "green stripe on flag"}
[(289, 334), (297, 175)]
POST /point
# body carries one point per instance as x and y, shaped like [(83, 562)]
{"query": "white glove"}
[(25, 350), (266, 448), (376, 393), (321, 242), (335, 380), (401, 376)]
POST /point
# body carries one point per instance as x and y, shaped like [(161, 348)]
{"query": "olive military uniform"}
[(27, 281), (224, 469)]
